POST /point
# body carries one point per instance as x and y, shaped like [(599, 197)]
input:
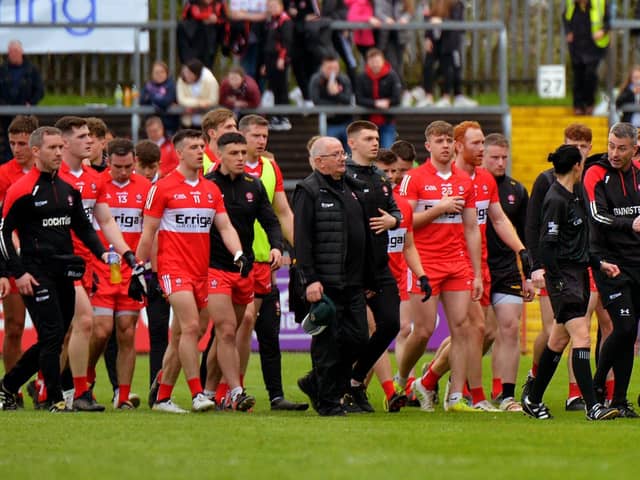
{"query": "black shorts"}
[(508, 282), (571, 300), (619, 294)]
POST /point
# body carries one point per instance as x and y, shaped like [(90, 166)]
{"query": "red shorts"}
[(231, 284), (176, 282), (261, 272), (448, 277), (485, 300), (14, 287), (87, 279), (592, 282), (111, 296)]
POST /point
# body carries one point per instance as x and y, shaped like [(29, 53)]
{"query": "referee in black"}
[(43, 209), (565, 255)]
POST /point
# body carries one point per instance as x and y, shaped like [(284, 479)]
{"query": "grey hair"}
[(37, 137), (624, 130)]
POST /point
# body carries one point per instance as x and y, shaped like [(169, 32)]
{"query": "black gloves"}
[(243, 263), (527, 263), (140, 276), (130, 258), (425, 287)]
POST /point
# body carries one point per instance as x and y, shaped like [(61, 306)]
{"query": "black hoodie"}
[(613, 198)]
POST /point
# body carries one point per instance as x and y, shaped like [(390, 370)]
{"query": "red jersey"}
[(443, 239), (486, 191), (10, 173), (255, 170), (89, 183), (397, 238), (168, 158), (126, 202), (186, 211)]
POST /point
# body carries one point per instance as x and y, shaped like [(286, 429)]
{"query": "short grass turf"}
[(292, 445)]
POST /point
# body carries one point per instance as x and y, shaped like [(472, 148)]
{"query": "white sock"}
[(454, 397), (402, 381), (235, 392)]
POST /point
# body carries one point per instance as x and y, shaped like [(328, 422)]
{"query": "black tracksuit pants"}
[(51, 309), (335, 349), (385, 306), (620, 298)]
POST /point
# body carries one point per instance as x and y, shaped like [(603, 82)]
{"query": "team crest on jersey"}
[(138, 197), (214, 283), (460, 189), (485, 189), (249, 196), (70, 200), (511, 199), (94, 187), (178, 281)]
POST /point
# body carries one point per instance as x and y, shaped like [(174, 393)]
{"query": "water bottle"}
[(135, 94), (127, 97), (117, 95), (114, 266)]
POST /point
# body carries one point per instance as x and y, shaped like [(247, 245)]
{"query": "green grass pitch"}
[(292, 445)]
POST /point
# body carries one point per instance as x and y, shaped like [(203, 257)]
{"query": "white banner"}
[(73, 40)]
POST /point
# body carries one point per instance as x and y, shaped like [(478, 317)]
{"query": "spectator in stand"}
[(198, 31), (197, 90), (586, 24), (444, 49), (379, 87), (309, 43), (20, 84), (254, 13), (160, 92), (394, 42), (330, 87), (337, 10), (630, 93), (238, 90), (168, 157), (276, 58), (98, 132), (362, 11)]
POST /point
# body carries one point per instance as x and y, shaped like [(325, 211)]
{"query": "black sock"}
[(508, 390), (581, 358), (622, 368), (66, 379), (546, 368)]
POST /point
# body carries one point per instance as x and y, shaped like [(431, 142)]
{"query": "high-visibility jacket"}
[(596, 15)]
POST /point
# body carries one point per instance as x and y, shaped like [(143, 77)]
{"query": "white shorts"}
[(505, 298)]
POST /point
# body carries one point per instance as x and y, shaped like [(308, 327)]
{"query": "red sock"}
[(388, 388), (123, 393), (242, 380), (574, 390), (91, 375), (164, 392), (610, 385), (534, 369), (465, 390), (195, 386), (477, 395), (496, 388), (221, 392), (80, 386), (430, 380), (410, 381)]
